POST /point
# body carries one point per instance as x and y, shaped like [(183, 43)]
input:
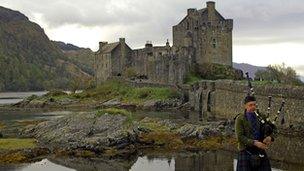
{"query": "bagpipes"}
[(268, 127)]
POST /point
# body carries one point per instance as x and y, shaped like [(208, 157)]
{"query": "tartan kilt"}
[(243, 163)]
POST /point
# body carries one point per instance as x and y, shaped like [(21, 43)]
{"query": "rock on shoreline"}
[(101, 134), (84, 130)]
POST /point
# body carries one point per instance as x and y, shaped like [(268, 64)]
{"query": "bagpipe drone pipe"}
[(268, 127)]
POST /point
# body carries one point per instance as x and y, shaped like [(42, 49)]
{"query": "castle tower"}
[(208, 32)]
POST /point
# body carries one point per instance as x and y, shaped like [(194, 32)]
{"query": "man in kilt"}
[(251, 155)]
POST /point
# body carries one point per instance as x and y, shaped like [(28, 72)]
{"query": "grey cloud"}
[(300, 69), (271, 21), (256, 21), (266, 39)]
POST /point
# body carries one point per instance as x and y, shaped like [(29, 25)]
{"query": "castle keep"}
[(203, 36)]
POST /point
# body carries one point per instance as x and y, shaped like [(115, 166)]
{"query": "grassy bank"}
[(118, 89), (16, 144), (109, 90), (15, 150)]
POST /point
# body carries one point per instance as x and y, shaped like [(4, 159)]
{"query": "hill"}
[(251, 69), (28, 59), (82, 57)]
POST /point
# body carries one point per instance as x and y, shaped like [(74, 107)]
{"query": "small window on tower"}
[(188, 26), (214, 43)]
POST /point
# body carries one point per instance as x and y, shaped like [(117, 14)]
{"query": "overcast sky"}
[(265, 32)]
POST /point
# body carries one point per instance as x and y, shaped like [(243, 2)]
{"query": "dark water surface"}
[(203, 161)]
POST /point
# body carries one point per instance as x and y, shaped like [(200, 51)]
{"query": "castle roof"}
[(204, 14), (204, 10), (108, 48)]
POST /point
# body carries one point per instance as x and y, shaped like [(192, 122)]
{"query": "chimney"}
[(101, 44), (122, 40), (167, 43), (210, 5), (211, 10), (191, 11), (148, 44)]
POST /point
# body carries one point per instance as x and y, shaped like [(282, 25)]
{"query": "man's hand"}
[(267, 140), (260, 145)]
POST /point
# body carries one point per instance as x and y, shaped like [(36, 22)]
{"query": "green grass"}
[(192, 78), (149, 93), (117, 89), (114, 89), (14, 143), (155, 126), (53, 95)]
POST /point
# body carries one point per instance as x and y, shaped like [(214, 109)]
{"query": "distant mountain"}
[(251, 69), (66, 46), (82, 57), (28, 59), (302, 78)]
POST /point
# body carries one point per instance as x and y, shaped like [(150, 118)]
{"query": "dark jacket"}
[(244, 132)]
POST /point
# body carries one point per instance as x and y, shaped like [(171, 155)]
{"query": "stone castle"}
[(203, 36)]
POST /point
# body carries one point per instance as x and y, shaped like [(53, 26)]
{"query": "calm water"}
[(292, 151), (15, 97), (204, 161)]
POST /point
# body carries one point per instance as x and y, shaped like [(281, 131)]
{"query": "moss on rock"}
[(15, 144)]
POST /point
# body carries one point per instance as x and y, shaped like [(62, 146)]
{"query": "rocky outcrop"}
[(207, 130), (86, 131), (101, 133)]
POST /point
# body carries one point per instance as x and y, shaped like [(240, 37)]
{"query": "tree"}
[(279, 73)]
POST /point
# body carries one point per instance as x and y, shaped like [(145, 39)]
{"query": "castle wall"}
[(217, 43), (208, 32), (117, 67), (159, 64), (121, 59), (103, 67), (224, 99)]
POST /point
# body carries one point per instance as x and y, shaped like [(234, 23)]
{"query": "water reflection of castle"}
[(206, 161)]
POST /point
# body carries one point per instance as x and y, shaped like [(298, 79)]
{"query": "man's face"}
[(250, 106)]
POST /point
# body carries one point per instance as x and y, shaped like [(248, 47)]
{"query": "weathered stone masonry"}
[(208, 33), (224, 99), (203, 36)]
